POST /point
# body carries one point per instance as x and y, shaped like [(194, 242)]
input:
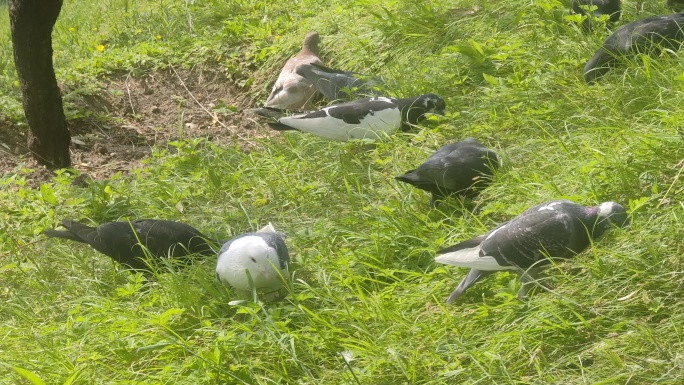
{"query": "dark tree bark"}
[(31, 22)]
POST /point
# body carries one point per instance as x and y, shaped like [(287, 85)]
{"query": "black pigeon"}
[(556, 229), (340, 85), (364, 118), (122, 240), (645, 36), (675, 4), (602, 7), (463, 168)]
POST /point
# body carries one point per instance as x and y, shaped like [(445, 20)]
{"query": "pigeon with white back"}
[(290, 90), (258, 260), (123, 241), (368, 118), (642, 36), (552, 230), (462, 168), (340, 85)]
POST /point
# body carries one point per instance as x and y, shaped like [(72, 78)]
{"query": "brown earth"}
[(119, 125)]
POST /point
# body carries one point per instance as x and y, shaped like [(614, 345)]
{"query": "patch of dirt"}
[(119, 126)]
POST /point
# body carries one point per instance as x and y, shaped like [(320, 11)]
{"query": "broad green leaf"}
[(28, 375)]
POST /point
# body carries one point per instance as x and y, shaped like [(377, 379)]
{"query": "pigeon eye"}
[(253, 259)]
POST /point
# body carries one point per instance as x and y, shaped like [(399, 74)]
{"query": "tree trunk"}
[(31, 23)]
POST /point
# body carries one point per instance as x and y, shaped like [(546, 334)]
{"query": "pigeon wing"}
[(531, 237)]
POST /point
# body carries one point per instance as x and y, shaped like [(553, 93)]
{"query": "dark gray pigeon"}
[(641, 36), (259, 257), (122, 240), (556, 229), (340, 85), (600, 8), (463, 168), (677, 5), (368, 118)]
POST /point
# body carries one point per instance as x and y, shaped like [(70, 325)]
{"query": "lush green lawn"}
[(364, 283)]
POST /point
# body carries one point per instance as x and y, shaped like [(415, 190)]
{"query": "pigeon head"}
[(613, 213), (415, 108), (311, 43), (432, 103)]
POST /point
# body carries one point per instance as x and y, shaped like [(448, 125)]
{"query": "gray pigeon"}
[(462, 168), (556, 230), (340, 85), (368, 118), (259, 257), (645, 35), (122, 240), (600, 7), (675, 4), (290, 90)]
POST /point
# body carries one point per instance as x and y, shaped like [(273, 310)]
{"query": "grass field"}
[(366, 302)]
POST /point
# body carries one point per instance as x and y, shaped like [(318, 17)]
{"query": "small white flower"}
[(347, 355)]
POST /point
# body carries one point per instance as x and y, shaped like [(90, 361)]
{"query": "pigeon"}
[(258, 260), (638, 36), (600, 7), (462, 168), (364, 118), (290, 90), (675, 4), (551, 230), (122, 240), (339, 85)]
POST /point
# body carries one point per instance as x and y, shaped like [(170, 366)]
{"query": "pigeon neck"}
[(594, 223), (411, 113)]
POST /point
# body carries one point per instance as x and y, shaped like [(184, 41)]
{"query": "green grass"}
[(364, 281)]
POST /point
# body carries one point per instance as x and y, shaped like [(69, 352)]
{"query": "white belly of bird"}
[(372, 126), (264, 278)]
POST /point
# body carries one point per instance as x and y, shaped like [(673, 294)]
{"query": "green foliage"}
[(364, 295)]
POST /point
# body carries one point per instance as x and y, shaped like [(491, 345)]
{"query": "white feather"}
[(471, 258), (372, 126), (549, 207), (268, 228), (250, 253), (605, 209)]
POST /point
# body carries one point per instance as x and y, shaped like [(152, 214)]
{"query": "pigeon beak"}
[(266, 273)]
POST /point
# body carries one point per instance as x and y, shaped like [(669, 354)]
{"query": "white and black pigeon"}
[(369, 118), (258, 260), (645, 35), (123, 241), (337, 85), (551, 230), (462, 168), (599, 8), (290, 90)]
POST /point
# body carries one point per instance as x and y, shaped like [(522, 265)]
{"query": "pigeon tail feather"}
[(62, 234), (281, 127)]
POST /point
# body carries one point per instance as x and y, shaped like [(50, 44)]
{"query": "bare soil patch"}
[(121, 124)]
